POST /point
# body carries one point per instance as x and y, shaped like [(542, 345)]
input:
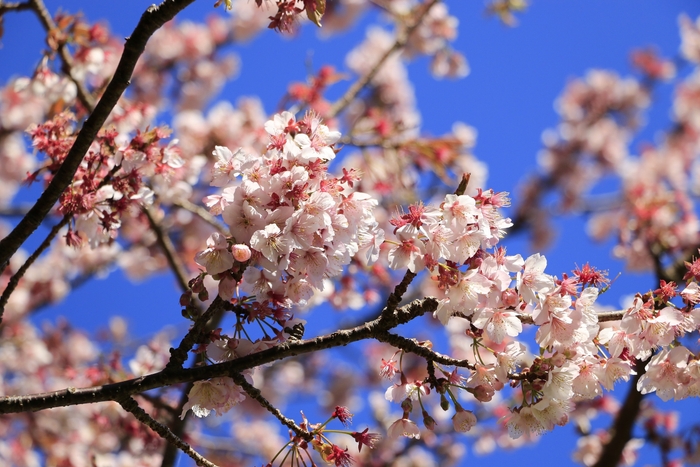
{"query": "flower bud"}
[(407, 405), (241, 252), (428, 421), (444, 403), (483, 393), (203, 295), (510, 298), (186, 298), (538, 384)]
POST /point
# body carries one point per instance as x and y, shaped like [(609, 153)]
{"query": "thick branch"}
[(73, 396), (621, 430), (179, 356), (150, 21), (132, 407), (396, 296)]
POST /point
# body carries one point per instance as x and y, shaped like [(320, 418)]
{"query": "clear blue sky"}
[(516, 75)]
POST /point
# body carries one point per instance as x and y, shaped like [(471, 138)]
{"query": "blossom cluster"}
[(497, 293), (301, 224), (111, 179)]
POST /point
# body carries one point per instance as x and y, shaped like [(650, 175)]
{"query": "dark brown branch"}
[(47, 21), (150, 22), (73, 396), (411, 345), (396, 296), (621, 430), (132, 407), (208, 320), (14, 280), (179, 356), (602, 317), (178, 428), (255, 393), (168, 250)]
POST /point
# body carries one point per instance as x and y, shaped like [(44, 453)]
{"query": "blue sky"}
[(516, 75)]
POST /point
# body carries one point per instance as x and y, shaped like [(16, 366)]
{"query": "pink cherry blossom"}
[(217, 257), (403, 427)]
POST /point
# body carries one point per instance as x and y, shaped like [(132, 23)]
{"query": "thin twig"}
[(168, 250), (359, 85), (130, 405), (602, 317), (149, 23), (14, 280), (202, 214), (255, 393), (47, 21), (16, 6), (411, 345)]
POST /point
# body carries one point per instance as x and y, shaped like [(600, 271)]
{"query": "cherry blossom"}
[(264, 219)]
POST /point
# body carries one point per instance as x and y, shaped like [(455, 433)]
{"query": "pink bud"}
[(428, 421), (186, 298), (483, 393), (241, 252), (510, 298)]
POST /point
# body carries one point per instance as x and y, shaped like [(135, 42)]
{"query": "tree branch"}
[(130, 405), (73, 396), (202, 214), (47, 21), (150, 21), (411, 345), (14, 280), (255, 393), (209, 319), (624, 422), (16, 6), (359, 85), (179, 356), (168, 250)]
